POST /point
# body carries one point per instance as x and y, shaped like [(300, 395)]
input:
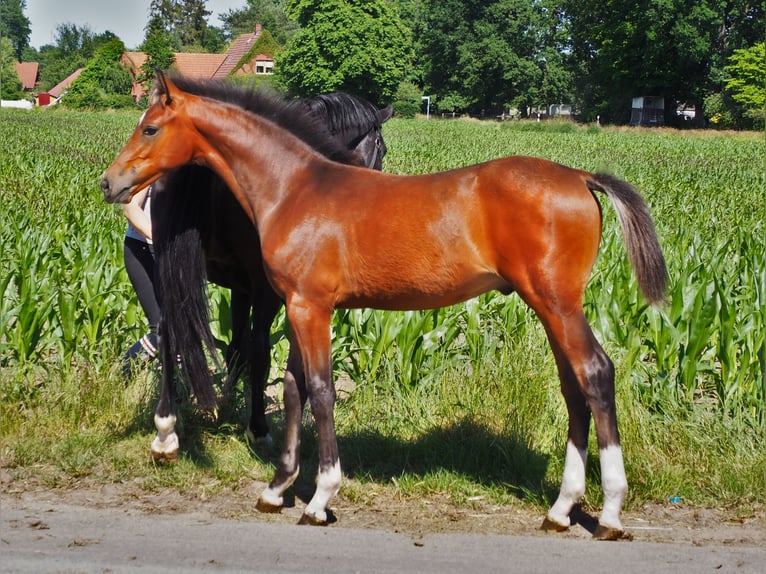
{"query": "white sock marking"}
[(328, 484), (615, 485), (273, 495), (572, 485), (166, 441)]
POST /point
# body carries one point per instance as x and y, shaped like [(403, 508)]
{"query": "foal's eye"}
[(150, 130)]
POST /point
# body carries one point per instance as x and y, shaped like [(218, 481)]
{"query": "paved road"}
[(59, 538)]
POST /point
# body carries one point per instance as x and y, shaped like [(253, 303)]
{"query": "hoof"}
[(258, 441), (610, 533), (312, 520), (267, 507), (549, 525), (165, 445), (165, 457)]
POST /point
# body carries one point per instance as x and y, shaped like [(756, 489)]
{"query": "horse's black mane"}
[(345, 113), (296, 116), (184, 223)]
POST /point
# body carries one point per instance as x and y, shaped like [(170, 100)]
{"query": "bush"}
[(104, 83)]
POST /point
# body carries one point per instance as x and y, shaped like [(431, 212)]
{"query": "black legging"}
[(139, 263)]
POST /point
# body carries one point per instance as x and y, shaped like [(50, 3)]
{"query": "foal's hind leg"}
[(573, 479), (587, 382)]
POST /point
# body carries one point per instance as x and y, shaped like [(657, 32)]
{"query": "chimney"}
[(257, 30)]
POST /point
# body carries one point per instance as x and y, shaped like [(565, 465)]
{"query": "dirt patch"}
[(384, 510)]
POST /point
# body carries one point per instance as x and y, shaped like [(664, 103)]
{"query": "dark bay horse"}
[(338, 236), (201, 232)]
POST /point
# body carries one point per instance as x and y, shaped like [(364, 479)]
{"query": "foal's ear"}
[(164, 88)]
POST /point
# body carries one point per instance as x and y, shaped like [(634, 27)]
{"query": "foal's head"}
[(163, 140), (165, 137)]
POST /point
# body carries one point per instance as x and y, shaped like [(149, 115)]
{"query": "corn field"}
[(65, 298)]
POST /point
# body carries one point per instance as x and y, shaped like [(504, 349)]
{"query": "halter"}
[(373, 158)]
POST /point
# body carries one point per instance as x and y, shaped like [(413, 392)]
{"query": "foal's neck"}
[(256, 158)]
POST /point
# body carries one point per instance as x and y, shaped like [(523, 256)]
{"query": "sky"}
[(125, 18)]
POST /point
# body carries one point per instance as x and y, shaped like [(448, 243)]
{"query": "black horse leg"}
[(266, 305), (238, 351), (165, 444)]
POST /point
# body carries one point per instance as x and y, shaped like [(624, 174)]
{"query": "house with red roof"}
[(28, 74), (53, 95), (242, 57)]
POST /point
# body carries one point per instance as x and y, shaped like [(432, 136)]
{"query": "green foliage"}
[(668, 48), (358, 46), (462, 400), (265, 44), (183, 21), (271, 14), (408, 100), (747, 83), (159, 54), (628, 49), (484, 56), (9, 79), (74, 48), (15, 26), (104, 83)]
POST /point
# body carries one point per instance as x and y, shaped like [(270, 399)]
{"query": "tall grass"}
[(461, 400)]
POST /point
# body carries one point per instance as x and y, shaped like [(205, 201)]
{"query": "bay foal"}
[(335, 236)]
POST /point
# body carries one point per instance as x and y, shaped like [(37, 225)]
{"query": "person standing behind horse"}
[(138, 255)]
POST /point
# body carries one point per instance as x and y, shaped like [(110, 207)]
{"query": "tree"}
[(747, 82), (214, 41), (648, 48), (271, 14), (158, 55), (10, 85), (74, 47), (358, 46), (671, 48), (485, 55), (104, 83), (185, 21), (14, 25)]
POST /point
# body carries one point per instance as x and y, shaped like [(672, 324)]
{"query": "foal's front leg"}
[(310, 332), (321, 392), (272, 498)]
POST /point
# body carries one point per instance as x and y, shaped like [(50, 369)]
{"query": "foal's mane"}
[(294, 116)]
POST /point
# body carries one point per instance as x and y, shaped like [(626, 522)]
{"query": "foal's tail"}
[(641, 241)]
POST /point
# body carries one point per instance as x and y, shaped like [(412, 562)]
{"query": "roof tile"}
[(27, 72)]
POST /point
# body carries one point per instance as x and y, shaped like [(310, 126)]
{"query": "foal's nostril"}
[(105, 186)]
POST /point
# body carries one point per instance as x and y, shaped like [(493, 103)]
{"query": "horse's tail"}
[(179, 212), (641, 241)]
